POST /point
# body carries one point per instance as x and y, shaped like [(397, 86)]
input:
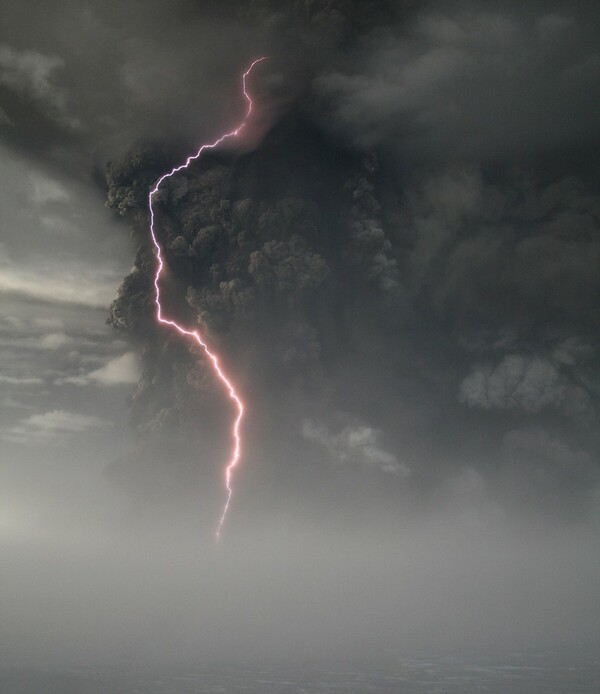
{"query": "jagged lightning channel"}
[(194, 334)]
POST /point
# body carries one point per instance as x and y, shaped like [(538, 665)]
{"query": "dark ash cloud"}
[(335, 277)]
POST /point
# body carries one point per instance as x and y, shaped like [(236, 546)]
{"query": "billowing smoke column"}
[(194, 334)]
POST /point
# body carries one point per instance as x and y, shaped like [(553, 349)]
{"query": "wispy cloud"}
[(530, 384), (74, 284), (122, 370), (18, 381), (32, 76), (52, 427), (46, 190), (359, 444), (54, 340)]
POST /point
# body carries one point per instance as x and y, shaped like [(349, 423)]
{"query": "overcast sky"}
[(399, 264)]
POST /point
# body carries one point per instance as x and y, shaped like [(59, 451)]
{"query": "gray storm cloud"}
[(337, 280)]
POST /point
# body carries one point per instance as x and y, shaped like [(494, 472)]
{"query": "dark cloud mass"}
[(399, 264), (359, 268)]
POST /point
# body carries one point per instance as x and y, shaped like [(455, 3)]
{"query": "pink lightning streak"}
[(194, 334)]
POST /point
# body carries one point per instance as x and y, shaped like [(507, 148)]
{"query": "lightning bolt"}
[(227, 383)]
